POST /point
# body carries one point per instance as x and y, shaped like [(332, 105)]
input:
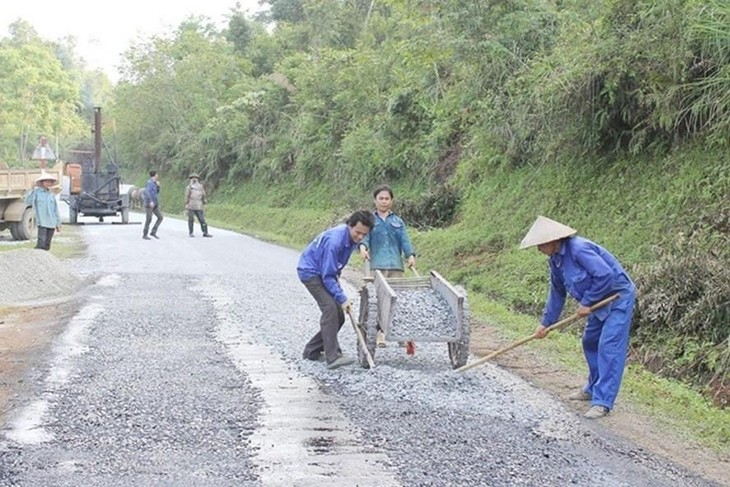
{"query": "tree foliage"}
[(37, 96), (421, 94)]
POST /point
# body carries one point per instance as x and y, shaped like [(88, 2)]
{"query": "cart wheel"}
[(368, 323), (459, 351)]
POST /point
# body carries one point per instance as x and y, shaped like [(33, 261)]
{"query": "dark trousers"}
[(148, 219), (45, 235), (330, 323), (201, 218)]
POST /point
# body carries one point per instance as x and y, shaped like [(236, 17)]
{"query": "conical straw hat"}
[(46, 177), (545, 230)]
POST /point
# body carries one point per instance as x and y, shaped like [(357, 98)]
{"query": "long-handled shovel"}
[(361, 340), (557, 326)]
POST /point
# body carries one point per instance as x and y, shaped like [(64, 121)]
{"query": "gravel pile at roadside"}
[(30, 275)]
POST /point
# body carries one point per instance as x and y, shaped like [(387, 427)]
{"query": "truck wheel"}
[(24, 229), (73, 215), (125, 215), (368, 323)]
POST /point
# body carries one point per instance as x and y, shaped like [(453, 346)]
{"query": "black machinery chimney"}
[(97, 139)]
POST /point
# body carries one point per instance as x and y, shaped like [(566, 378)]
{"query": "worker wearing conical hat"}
[(589, 273), (47, 217), (195, 201)]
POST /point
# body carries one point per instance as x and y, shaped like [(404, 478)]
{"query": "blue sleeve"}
[(600, 272), (405, 244), (56, 213), (29, 196), (330, 273), (150, 190), (556, 299)]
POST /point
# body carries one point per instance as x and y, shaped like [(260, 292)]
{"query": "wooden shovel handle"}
[(361, 340), (557, 326)]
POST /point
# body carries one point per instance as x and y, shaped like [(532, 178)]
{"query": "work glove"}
[(347, 307)]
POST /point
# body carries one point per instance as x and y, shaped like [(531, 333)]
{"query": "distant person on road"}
[(385, 247), (47, 217), (319, 268), (195, 201), (589, 273), (152, 206)]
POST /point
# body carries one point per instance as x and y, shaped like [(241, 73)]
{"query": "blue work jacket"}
[(151, 189), (388, 243), (45, 206), (589, 273), (326, 256)]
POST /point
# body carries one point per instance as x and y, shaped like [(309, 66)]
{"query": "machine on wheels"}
[(93, 191), (414, 309)]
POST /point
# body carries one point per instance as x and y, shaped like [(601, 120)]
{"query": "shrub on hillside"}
[(436, 208), (682, 316)]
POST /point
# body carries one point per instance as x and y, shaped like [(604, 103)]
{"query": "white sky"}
[(104, 29)]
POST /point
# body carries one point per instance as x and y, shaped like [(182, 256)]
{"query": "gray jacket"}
[(195, 197)]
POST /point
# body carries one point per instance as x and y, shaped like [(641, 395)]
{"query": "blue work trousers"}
[(605, 346)]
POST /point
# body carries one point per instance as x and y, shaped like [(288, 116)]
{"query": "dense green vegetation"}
[(610, 116)]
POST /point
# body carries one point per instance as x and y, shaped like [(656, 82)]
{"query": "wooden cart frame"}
[(379, 304)]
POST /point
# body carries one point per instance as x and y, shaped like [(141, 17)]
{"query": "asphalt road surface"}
[(182, 367)]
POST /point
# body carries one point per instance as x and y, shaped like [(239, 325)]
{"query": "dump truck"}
[(14, 213), (93, 190)]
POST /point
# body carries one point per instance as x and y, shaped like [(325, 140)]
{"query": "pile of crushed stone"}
[(30, 275)]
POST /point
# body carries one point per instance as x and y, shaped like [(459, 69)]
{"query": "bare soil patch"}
[(25, 334)]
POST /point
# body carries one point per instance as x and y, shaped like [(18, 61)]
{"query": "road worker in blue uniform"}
[(319, 269), (388, 244), (589, 273)]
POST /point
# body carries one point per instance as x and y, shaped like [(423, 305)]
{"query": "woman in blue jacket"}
[(589, 273), (385, 247)]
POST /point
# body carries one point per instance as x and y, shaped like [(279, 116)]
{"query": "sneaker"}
[(154, 235), (596, 412), (207, 235), (580, 396), (191, 235), (341, 361), (146, 237), (380, 339)]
